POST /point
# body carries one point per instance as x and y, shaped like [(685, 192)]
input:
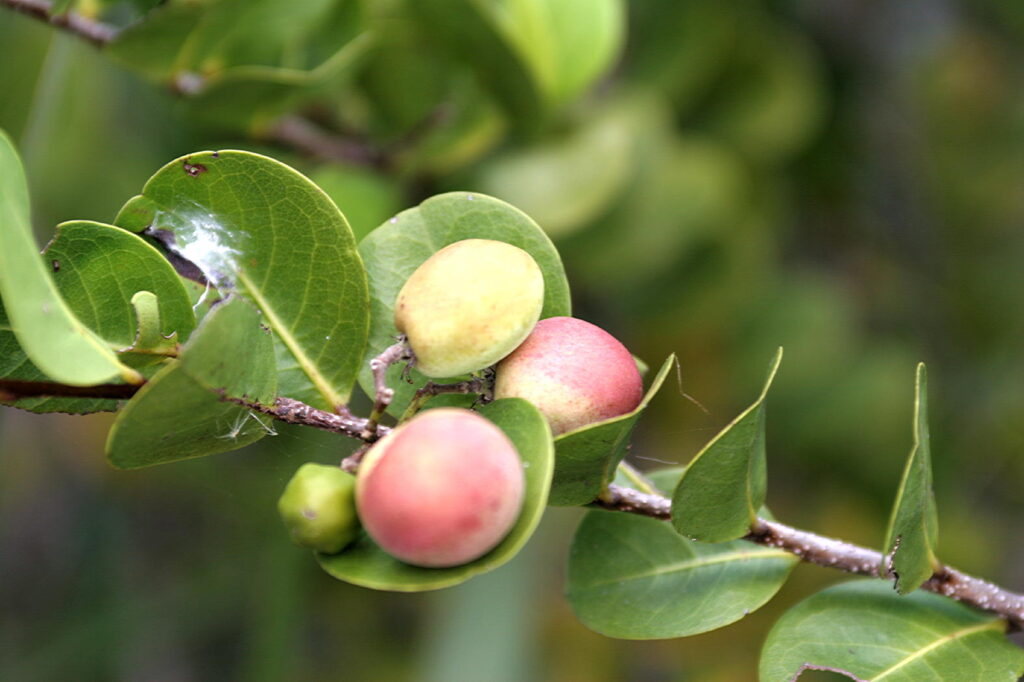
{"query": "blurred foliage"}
[(842, 179)]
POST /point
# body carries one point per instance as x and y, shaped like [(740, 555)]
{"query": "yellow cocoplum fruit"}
[(318, 508), (574, 372), (440, 490), (469, 305)]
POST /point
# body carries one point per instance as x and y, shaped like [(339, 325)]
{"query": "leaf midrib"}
[(308, 366), (697, 562), (951, 637)]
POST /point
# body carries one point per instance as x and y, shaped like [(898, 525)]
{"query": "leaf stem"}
[(832, 553)]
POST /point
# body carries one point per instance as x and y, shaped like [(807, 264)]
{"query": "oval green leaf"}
[(260, 229), (723, 487), (98, 270), (365, 564), (395, 249), (55, 341), (586, 458), (634, 577), (866, 631), (180, 413), (913, 530)]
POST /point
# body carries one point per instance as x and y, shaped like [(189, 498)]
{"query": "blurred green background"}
[(842, 178)]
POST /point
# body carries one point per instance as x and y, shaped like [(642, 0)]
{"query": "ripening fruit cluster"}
[(447, 486)]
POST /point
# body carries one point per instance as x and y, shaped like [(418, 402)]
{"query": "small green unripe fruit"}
[(574, 372), (469, 305), (318, 508), (442, 489)]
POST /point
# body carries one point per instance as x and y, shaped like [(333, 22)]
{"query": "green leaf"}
[(260, 229), (469, 29), (49, 333), (252, 95), (567, 43), (533, 54), (363, 563), (586, 458), (914, 524), (204, 38), (558, 182), (14, 364), (865, 630), (634, 577), (369, 197), (725, 484), (180, 414), (394, 250), (99, 269)]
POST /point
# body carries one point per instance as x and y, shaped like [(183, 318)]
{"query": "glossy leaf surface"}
[(871, 633), (914, 525), (634, 577), (366, 564), (258, 228), (725, 484), (394, 250), (52, 337), (98, 270), (586, 458), (180, 414)]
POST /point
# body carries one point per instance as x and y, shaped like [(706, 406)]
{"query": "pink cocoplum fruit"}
[(440, 490), (574, 372)]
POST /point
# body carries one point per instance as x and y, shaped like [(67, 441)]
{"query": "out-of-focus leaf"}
[(913, 528), (468, 28), (255, 94), (533, 54), (867, 631), (204, 38), (568, 182), (180, 413), (394, 250), (724, 486), (586, 458), (771, 100), (363, 563), (681, 47), (366, 198), (567, 43), (258, 228), (52, 337), (636, 578), (683, 192)]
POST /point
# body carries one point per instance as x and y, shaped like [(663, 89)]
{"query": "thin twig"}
[(97, 33), (383, 394), (296, 412), (12, 389), (307, 137), (482, 385), (831, 553)]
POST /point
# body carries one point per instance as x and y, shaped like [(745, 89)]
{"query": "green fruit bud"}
[(469, 305), (318, 508)]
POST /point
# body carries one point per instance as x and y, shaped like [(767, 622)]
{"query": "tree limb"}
[(831, 553)]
